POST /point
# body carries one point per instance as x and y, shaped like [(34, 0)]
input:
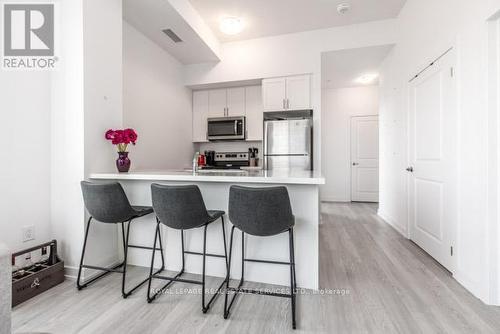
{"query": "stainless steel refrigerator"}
[(288, 142)]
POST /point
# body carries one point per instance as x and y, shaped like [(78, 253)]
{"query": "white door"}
[(254, 112), (298, 92), (364, 159), (236, 101), (432, 156), (200, 113), (217, 103), (274, 93)]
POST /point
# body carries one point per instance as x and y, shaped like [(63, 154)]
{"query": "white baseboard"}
[(391, 221), (71, 272), (334, 199), (475, 288)]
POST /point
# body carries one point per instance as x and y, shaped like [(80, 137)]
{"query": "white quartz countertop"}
[(222, 176)]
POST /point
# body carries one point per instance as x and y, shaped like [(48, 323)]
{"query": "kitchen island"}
[(303, 188)]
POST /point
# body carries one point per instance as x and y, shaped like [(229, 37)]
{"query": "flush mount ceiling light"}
[(343, 8), (231, 25), (367, 79)]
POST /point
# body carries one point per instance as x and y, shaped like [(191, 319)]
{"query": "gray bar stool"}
[(182, 208), (107, 203), (260, 212)]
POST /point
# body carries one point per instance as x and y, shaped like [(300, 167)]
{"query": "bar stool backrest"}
[(106, 202), (179, 207), (260, 211)]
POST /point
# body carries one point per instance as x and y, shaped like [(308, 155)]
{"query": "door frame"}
[(453, 51), (349, 152)]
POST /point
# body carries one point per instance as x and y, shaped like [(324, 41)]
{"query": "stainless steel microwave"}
[(226, 128)]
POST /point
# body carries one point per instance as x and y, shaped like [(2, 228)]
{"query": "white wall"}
[(338, 106), (426, 29), (288, 55), (25, 167), (67, 135), (156, 104), (86, 100), (103, 107)]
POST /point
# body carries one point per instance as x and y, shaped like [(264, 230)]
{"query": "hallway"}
[(394, 285)]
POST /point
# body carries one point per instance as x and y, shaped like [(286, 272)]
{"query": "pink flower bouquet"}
[(121, 138)]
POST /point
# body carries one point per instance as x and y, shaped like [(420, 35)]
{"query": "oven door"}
[(226, 128)]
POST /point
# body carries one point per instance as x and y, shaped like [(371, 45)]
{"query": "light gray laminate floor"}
[(390, 286)]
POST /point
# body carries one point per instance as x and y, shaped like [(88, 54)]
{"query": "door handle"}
[(355, 164), (409, 169)]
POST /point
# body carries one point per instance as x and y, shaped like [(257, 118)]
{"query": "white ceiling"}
[(276, 17), (340, 69), (152, 16)]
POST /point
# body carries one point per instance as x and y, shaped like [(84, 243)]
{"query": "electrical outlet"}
[(28, 233)]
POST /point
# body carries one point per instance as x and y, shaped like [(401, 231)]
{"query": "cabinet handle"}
[(288, 103), (284, 106)]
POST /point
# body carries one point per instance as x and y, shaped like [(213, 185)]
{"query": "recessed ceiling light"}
[(366, 79), (343, 8), (231, 25)]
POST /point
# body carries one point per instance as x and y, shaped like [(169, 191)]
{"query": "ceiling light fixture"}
[(366, 79), (343, 8), (231, 25)]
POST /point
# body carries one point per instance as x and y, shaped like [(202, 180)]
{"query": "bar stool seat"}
[(141, 210), (215, 214), (107, 203)]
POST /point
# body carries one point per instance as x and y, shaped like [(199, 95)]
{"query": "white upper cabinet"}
[(226, 102), (274, 94), (235, 101), (287, 93), (230, 102), (217, 103), (298, 92), (200, 114), (254, 112)]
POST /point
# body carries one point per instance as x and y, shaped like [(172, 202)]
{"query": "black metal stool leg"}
[(152, 275), (206, 307), (81, 285), (293, 284), (83, 254), (203, 308), (227, 308), (161, 251), (125, 253), (150, 299)]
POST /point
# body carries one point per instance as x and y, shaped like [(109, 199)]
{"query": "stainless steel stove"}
[(229, 160)]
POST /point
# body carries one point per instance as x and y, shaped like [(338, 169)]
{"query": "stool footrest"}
[(268, 261), (206, 254), (143, 247), (260, 292), (177, 279), (114, 270)]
